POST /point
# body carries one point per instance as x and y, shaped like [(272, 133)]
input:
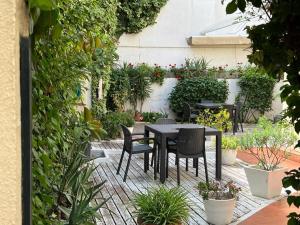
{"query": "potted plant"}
[(229, 147), (219, 201), (162, 206), (270, 145)]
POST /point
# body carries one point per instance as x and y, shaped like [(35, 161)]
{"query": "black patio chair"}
[(190, 143), (131, 146), (188, 114), (238, 115), (169, 142)]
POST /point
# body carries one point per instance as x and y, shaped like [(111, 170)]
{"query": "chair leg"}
[(242, 126), (146, 162), (120, 163), (167, 166), (175, 160), (178, 171), (155, 163), (127, 167), (205, 167), (186, 164), (152, 159), (197, 167)]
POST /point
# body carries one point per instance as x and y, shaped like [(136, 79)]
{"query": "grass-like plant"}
[(269, 143), (217, 190), (162, 206), (230, 143)]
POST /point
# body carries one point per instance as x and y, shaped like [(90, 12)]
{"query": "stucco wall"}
[(12, 24), (166, 42)]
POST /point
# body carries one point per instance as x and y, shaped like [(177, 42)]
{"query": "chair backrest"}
[(238, 111), (165, 121), (186, 112), (127, 138), (191, 142), (230, 108)]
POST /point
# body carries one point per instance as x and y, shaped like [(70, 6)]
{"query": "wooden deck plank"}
[(121, 209)]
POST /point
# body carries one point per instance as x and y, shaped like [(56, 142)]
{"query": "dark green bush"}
[(111, 123), (193, 90), (256, 92)]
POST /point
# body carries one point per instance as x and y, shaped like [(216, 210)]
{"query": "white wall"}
[(166, 42)]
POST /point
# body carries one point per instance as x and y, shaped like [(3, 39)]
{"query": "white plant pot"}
[(265, 184), (229, 157), (219, 212), (129, 128)]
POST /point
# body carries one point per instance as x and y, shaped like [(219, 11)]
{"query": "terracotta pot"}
[(140, 222), (138, 116)]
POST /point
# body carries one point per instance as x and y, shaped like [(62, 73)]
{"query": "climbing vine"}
[(135, 15)]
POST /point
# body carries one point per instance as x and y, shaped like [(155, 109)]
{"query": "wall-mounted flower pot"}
[(265, 184), (229, 157), (219, 212)]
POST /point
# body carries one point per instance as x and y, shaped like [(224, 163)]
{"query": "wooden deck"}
[(119, 208)]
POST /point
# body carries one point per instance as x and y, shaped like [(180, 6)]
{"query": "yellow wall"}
[(13, 23)]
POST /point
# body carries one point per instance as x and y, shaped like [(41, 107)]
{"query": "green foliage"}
[(66, 38), (112, 121), (269, 143), (152, 117), (256, 92), (118, 92), (220, 120), (135, 15), (194, 89), (292, 180), (230, 143), (217, 190), (162, 206), (158, 74)]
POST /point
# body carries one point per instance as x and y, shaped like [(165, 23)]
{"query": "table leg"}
[(163, 155), (146, 155), (218, 156)]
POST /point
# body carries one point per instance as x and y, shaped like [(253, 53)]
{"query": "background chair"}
[(187, 114), (190, 143), (131, 146), (238, 115)]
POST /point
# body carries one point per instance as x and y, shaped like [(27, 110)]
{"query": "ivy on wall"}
[(135, 15)]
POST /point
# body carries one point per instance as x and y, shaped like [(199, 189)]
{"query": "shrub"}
[(152, 117), (162, 206), (112, 121), (256, 92), (269, 143), (221, 120), (230, 143), (118, 92), (193, 90), (158, 74)]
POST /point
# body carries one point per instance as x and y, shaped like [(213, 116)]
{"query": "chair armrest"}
[(141, 133), (142, 139)]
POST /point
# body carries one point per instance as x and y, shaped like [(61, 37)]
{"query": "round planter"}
[(219, 212), (140, 222), (265, 184), (229, 156)]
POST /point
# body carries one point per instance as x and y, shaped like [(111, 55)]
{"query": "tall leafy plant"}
[(256, 93)]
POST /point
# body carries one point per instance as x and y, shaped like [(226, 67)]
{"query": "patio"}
[(120, 211)]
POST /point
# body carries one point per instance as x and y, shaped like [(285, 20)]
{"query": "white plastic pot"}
[(229, 157), (219, 212), (265, 184)]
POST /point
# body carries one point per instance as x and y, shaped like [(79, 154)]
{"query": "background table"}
[(164, 131)]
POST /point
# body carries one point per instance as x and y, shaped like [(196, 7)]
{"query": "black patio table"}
[(164, 131), (210, 105)]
